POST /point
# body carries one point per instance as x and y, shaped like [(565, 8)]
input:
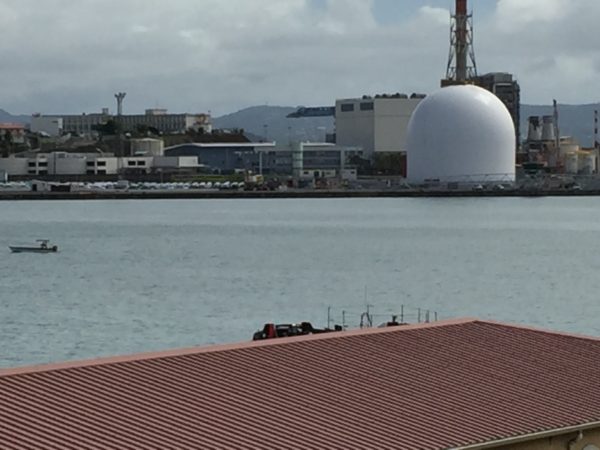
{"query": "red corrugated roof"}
[(434, 386), (12, 126)]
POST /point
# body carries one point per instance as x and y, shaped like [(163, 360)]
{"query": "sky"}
[(71, 56)]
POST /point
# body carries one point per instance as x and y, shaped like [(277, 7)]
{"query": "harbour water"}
[(135, 276)]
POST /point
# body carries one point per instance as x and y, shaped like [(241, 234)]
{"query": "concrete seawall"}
[(197, 194)]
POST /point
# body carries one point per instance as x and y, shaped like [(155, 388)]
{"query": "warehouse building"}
[(460, 384), (375, 124), (224, 157)]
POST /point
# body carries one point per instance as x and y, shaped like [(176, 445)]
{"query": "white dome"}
[(461, 133)]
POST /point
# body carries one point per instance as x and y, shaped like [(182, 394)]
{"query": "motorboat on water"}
[(43, 247)]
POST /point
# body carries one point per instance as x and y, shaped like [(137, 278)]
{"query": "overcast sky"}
[(71, 56)]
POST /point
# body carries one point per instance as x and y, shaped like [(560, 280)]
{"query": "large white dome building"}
[(461, 133)]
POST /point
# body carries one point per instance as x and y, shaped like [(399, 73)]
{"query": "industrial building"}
[(225, 157), (507, 89), (545, 148), (461, 134), (457, 384), (375, 124), (303, 160)]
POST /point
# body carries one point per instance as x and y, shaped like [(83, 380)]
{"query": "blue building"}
[(229, 157)]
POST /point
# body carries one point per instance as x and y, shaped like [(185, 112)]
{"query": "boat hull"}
[(32, 249)]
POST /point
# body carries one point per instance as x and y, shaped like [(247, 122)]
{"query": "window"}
[(367, 106), (347, 107), (90, 163), (43, 164), (101, 172), (101, 163), (43, 172), (89, 172), (31, 164), (131, 163), (141, 163)]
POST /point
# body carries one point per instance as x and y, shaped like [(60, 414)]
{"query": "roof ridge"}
[(149, 356), (539, 330)]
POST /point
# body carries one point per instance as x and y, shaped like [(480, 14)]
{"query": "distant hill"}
[(7, 117), (575, 120), (278, 127)]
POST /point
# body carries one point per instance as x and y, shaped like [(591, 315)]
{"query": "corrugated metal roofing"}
[(433, 386)]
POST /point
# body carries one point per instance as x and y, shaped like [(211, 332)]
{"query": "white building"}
[(166, 123), (85, 124), (377, 124), (312, 160), (70, 164), (102, 165), (48, 125), (147, 146), (167, 163)]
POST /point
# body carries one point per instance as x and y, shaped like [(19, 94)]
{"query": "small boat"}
[(43, 247)]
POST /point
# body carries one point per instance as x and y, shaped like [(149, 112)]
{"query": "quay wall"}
[(203, 194)]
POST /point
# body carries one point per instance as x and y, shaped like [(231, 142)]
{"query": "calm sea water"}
[(136, 276)]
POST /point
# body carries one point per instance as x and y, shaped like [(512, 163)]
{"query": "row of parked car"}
[(178, 186), (126, 185)]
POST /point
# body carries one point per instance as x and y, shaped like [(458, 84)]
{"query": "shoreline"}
[(289, 194)]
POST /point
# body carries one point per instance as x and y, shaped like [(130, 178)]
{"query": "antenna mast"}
[(459, 71)]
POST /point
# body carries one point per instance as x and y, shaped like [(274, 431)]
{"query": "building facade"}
[(166, 123), (15, 132), (46, 125), (227, 157), (81, 164), (375, 124), (507, 89), (323, 160), (85, 124)]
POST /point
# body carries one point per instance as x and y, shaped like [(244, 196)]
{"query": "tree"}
[(363, 166), (7, 143), (110, 128), (390, 163)]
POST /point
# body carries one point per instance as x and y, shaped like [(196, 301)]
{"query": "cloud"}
[(440, 16), (550, 45), (199, 55), (513, 15)]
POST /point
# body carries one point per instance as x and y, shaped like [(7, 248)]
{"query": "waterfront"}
[(147, 275)]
